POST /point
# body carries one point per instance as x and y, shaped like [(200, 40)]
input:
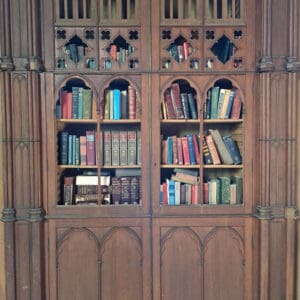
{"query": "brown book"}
[(164, 151), (107, 100), (90, 148), (123, 148), (125, 190), (196, 148), (205, 193), (115, 148), (207, 159), (222, 150), (213, 150), (68, 190), (175, 96), (82, 143), (236, 106), (124, 104), (175, 151), (132, 147), (135, 190), (107, 147), (194, 194), (131, 103), (169, 105), (116, 190)]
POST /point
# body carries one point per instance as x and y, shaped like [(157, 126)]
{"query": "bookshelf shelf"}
[(77, 121), (222, 121), (184, 121), (123, 121), (77, 167), (180, 166), (223, 166), (121, 167)]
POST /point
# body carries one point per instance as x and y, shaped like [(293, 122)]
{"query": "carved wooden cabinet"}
[(146, 217)]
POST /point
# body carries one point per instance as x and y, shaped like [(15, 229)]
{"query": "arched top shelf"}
[(179, 100), (120, 99), (224, 100)]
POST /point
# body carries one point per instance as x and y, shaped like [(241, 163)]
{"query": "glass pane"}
[(132, 9), (88, 9), (175, 9), (237, 9), (113, 12), (185, 6), (193, 13), (229, 8), (61, 9), (167, 9), (80, 9), (70, 9), (105, 9), (124, 9), (211, 9), (219, 9)]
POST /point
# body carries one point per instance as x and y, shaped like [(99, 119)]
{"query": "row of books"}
[(223, 104), (117, 148), (77, 150), (183, 188), (178, 105), (182, 150), (218, 149), (223, 190), (83, 189), (75, 51), (180, 52), (121, 104), (122, 147), (120, 54), (75, 104)]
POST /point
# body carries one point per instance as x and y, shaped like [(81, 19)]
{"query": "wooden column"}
[(278, 66), (21, 148)]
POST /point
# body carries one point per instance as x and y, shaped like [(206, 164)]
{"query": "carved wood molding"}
[(36, 214), (292, 65), (264, 212), (8, 215)]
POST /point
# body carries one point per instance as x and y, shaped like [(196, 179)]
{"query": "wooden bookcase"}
[(148, 47)]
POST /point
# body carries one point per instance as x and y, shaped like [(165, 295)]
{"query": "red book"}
[(82, 143), (186, 50), (175, 96), (185, 150), (196, 149), (179, 151), (90, 148), (236, 106), (169, 105), (66, 105), (195, 193)]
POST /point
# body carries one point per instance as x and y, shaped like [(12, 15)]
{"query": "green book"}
[(225, 189), (214, 102), (238, 180), (87, 104)]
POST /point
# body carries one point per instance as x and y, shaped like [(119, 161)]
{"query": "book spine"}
[(175, 96), (196, 148), (68, 190), (63, 147), (191, 149), (115, 146), (171, 192), (192, 106), (185, 105), (170, 150), (116, 190), (75, 102), (132, 147), (195, 194), (179, 151), (224, 153), (82, 142), (70, 149), (107, 100), (117, 104), (206, 153), (90, 148), (124, 104), (139, 147), (214, 102), (213, 150), (236, 106), (131, 103), (233, 149), (107, 147), (225, 190), (229, 106), (87, 104), (80, 103), (123, 148), (77, 151), (125, 190), (185, 150), (169, 105)]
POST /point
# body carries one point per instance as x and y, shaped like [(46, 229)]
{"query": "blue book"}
[(191, 149), (170, 150), (233, 149), (63, 147), (70, 149), (171, 191), (116, 104), (230, 102), (80, 103)]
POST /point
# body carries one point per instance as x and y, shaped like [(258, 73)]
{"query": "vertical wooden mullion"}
[(171, 9), (129, 15), (233, 9), (75, 9), (224, 9), (66, 9), (119, 9), (109, 9), (84, 11), (215, 16)]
